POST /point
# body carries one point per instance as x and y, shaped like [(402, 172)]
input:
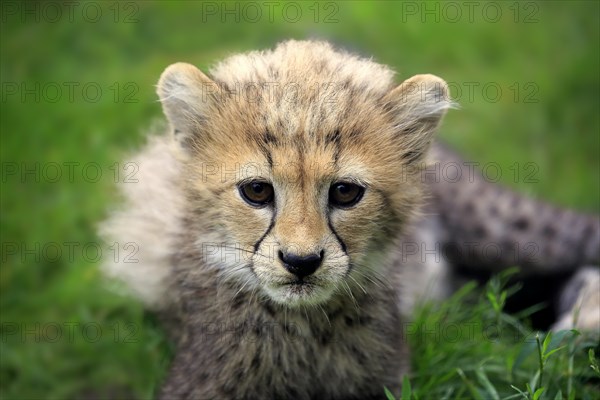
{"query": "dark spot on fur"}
[(494, 211), (287, 329), (358, 354), (389, 107), (256, 330), (270, 139), (549, 231), (354, 134), (229, 388), (237, 302), (469, 207), (521, 224), (588, 230), (353, 93), (269, 309), (349, 321), (270, 160), (409, 130), (215, 192), (480, 232), (267, 141), (324, 338), (333, 137), (365, 320), (507, 245), (411, 156), (256, 361)]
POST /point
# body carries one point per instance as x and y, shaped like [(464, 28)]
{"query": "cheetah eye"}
[(345, 194), (257, 193)]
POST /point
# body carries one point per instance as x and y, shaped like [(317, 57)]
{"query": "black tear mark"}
[(271, 224), (339, 239)]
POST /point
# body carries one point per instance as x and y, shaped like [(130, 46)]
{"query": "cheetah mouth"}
[(303, 284), (299, 292), (298, 286)]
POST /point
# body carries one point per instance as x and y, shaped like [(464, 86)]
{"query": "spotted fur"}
[(302, 117)]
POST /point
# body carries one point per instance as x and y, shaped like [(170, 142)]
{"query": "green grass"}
[(553, 59), (469, 348)]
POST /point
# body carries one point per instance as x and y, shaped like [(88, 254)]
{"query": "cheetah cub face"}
[(297, 170)]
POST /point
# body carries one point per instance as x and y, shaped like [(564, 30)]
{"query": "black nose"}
[(301, 266)]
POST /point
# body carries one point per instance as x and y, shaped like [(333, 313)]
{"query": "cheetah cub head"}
[(299, 166)]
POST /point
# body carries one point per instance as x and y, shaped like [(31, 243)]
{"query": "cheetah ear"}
[(418, 105), (186, 95)]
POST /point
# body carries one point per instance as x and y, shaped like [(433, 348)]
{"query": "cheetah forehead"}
[(318, 94), (304, 62), (320, 97)]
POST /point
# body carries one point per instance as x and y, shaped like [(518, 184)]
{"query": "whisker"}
[(325, 314), (359, 285), (351, 295)]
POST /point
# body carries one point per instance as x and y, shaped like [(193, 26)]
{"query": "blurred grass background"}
[(544, 56)]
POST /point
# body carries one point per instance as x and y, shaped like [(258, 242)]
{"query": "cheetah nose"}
[(301, 266)]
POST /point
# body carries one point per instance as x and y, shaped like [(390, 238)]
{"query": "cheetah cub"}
[(273, 220)]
